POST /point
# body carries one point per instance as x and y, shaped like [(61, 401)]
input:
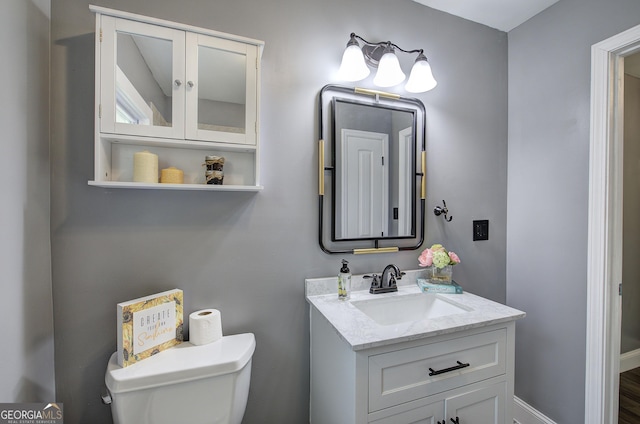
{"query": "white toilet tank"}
[(185, 384)]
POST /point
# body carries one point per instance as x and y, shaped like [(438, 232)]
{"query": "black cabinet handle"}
[(456, 367)]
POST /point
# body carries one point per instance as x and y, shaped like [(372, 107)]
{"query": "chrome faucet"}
[(386, 283)]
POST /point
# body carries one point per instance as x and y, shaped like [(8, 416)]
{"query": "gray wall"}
[(630, 335), (26, 373), (549, 103), (248, 254)]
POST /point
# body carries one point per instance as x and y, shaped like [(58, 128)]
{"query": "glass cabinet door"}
[(221, 90), (142, 86)]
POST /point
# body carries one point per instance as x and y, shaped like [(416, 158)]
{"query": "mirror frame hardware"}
[(376, 93), (391, 249), (423, 175), (323, 169), (439, 210)]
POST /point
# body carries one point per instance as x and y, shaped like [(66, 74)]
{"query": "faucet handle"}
[(375, 280), (393, 280)]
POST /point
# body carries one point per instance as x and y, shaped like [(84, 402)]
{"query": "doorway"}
[(629, 388), (605, 245)]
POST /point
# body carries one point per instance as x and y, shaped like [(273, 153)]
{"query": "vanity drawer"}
[(403, 375)]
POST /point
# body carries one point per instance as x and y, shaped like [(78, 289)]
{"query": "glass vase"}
[(441, 275)]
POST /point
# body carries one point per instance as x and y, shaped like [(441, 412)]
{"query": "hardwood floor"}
[(629, 412)]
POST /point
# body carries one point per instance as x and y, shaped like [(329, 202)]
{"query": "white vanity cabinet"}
[(482, 404), (471, 378), (180, 92)]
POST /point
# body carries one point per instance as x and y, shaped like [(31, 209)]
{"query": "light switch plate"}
[(481, 230)]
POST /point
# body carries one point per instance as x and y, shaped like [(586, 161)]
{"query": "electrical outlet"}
[(481, 230)]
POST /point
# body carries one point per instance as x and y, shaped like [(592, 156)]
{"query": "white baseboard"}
[(523, 413), (630, 360)]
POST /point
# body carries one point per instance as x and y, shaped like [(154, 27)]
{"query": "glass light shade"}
[(389, 71), (353, 67), (421, 78)]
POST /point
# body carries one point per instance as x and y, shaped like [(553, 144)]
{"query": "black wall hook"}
[(439, 210)]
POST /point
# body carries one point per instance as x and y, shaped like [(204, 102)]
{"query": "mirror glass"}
[(221, 90), (371, 181), (144, 80), (374, 149)]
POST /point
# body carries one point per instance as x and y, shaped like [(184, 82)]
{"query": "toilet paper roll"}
[(172, 175), (205, 327), (145, 167)]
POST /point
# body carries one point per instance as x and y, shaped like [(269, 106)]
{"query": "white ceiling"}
[(500, 14)]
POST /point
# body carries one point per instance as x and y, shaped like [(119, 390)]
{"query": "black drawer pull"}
[(456, 367)]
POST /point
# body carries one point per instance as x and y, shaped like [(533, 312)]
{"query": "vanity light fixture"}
[(382, 56)]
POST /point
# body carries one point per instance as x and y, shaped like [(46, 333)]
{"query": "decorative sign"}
[(149, 325)]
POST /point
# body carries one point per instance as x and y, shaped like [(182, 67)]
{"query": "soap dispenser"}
[(344, 281)]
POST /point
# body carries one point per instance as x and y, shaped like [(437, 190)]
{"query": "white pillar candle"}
[(145, 167)]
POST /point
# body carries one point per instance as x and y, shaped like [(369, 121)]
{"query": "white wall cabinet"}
[(392, 384), (180, 92)]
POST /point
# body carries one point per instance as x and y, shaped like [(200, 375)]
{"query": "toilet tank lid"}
[(184, 362)]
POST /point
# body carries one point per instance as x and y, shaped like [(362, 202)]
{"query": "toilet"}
[(184, 384)]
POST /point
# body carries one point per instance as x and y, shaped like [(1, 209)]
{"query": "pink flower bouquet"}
[(438, 256)]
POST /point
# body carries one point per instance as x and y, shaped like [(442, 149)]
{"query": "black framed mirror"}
[(371, 171)]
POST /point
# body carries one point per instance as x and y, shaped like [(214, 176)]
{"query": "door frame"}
[(604, 256), (405, 174)]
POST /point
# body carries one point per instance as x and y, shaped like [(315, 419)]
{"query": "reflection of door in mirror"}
[(143, 80), (361, 194), (378, 200)]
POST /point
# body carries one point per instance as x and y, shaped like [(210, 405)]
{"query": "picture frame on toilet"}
[(149, 325)]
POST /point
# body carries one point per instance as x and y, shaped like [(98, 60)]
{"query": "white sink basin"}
[(391, 310)]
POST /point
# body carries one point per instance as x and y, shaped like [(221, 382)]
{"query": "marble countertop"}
[(362, 332)]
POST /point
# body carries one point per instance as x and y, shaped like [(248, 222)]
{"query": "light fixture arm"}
[(386, 44)]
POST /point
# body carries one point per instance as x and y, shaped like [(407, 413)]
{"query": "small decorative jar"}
[(214, 174), (214, 177), (214, 163)]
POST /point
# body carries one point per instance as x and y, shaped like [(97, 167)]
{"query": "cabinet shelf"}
[(114, 163), (160, 186)]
